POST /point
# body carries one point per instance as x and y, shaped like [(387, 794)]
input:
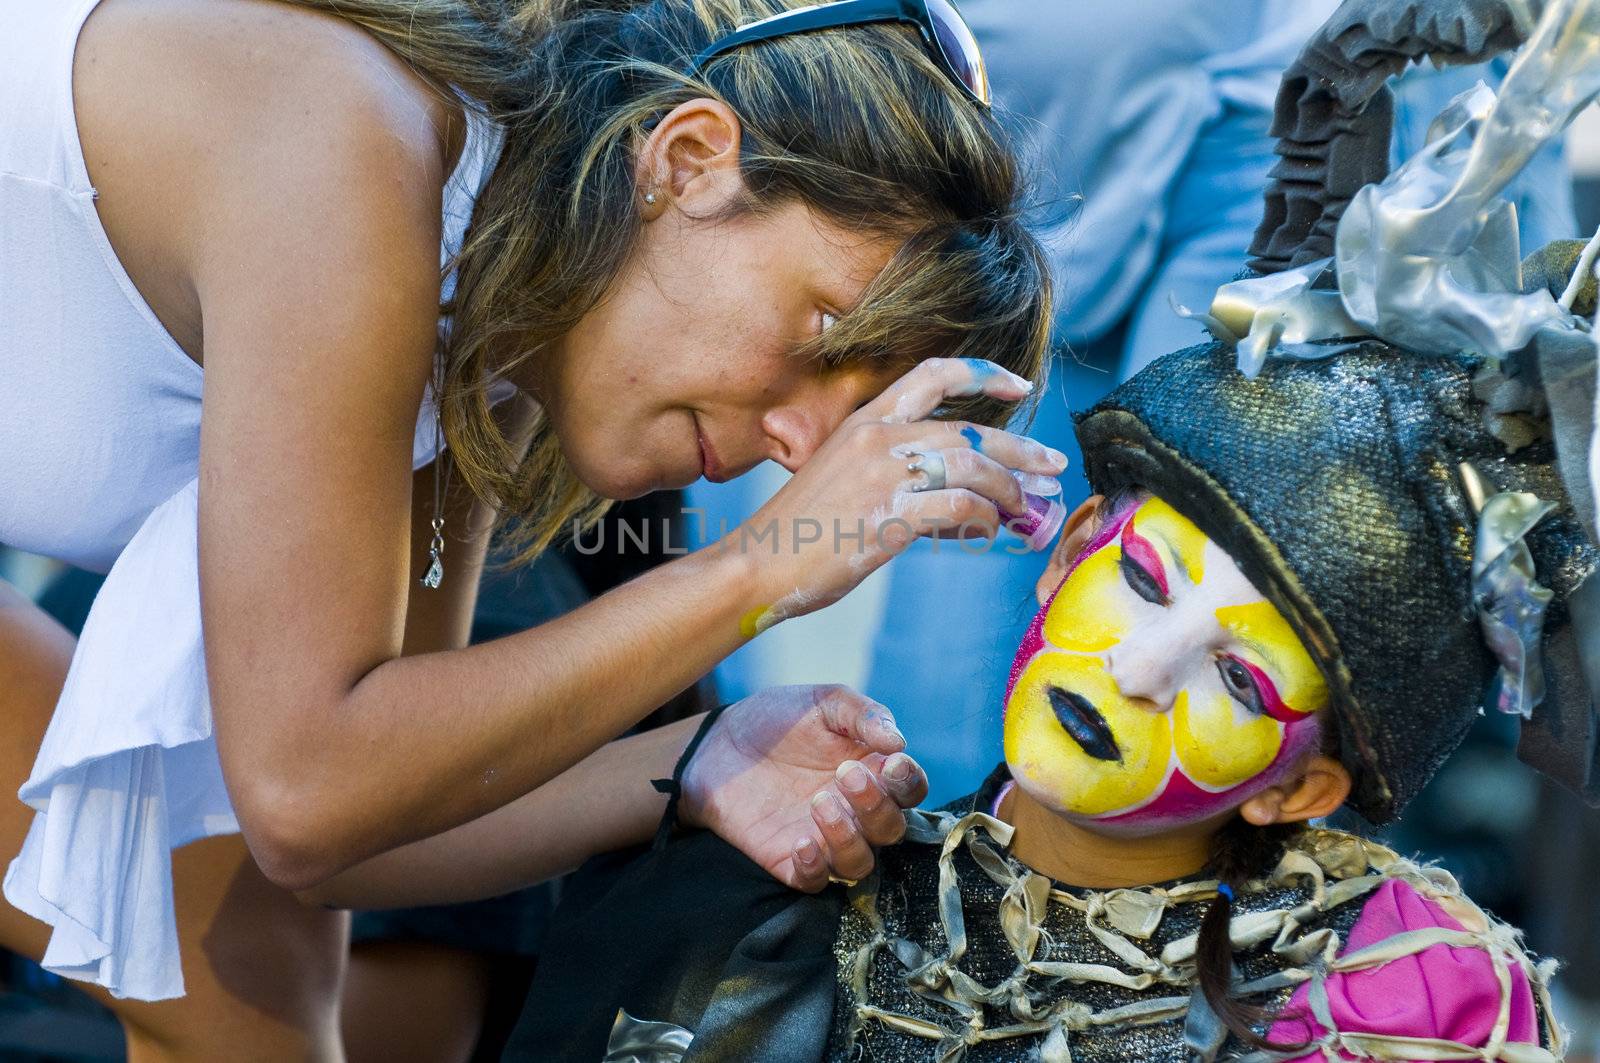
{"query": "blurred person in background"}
[(1149, 120)]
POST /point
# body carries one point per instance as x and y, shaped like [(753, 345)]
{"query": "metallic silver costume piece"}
[(1284, 315), (1510, 602), (637, 1041), (1428, 258)]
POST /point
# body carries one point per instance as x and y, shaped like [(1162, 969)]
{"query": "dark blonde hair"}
[(858, 124)]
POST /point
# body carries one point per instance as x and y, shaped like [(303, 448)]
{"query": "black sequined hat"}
[(1334, 485)]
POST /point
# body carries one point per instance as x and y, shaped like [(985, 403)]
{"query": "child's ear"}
[(1074, 534), (1319, 789)]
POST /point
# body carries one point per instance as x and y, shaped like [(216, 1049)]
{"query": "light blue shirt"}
[(1114, 103)]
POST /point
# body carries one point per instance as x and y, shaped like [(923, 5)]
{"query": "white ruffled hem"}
[(128, 771)]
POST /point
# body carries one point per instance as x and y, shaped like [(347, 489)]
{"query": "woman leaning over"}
[(672, 269)]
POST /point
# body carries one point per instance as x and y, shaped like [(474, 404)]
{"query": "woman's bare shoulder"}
[(206, 122), (210, 61)]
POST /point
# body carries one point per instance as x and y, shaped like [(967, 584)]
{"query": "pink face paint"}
[(1271, 701), (1181, 801), (1137, 548)]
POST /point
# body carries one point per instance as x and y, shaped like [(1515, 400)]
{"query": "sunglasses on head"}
[(943, 31)]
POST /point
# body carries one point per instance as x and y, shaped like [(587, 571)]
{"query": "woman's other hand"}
[(857, 502), (804, 780)]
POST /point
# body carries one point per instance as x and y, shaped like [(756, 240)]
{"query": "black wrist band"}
[(673, 787)]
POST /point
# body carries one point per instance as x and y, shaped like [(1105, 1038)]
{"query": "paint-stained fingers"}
[(1007, 448), (953, 513), (849, 855), (904, 780), (809, 870), (853, 715), (926, 387), (879, 817)]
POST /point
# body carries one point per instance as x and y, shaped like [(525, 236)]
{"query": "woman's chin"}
[(614, 479)]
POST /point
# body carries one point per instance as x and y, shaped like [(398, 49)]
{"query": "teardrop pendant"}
[(435, 573)]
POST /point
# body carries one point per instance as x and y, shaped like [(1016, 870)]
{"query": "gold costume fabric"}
[(954, 952)]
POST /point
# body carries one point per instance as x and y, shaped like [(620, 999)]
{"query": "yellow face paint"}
[(1219, 744), (1262, 629), (1234, 693), (1086, 617), (1185, 544), (1037, 740)]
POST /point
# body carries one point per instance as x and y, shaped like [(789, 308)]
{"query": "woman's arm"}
[(316, 265), (605, 802), (748, 780)]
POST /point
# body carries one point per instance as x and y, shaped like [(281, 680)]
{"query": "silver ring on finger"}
[(931, 465)]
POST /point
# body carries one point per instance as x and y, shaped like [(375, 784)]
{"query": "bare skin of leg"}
[(408, 1001), (262, 971)]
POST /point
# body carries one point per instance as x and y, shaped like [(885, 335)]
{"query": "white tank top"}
[(100, 419), (100, 432)]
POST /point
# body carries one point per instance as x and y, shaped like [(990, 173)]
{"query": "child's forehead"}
[(1171, 538), (1186, 545)]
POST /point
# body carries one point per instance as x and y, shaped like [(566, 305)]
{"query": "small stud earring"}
[(650, 198)]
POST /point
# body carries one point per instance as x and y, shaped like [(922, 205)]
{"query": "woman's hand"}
[(804, 780), (857, 502)]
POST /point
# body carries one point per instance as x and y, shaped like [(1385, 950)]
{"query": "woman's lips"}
[(710, 466), (1080, 719)]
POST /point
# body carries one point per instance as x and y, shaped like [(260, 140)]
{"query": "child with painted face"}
[(1269, 611)]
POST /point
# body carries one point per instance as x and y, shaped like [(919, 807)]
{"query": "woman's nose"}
[(792, 436)]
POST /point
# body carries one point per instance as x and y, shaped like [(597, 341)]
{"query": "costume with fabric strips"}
[(1379, 445), (953, 950)]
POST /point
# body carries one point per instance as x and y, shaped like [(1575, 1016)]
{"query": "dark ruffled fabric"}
[(1333, 115), (695, 935)]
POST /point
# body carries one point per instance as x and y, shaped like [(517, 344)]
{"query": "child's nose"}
[(1154, 662)]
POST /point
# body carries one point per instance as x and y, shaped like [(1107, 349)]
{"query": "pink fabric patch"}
[(1442, 992)]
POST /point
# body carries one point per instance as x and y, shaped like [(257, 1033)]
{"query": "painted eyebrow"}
[(1259, 649), (1186, 564)]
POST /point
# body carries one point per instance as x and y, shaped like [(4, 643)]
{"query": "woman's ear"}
[(1320, 788), (1074, 534), (691, 158)]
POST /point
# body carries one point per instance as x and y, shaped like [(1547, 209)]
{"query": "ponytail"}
[(1238, 851)]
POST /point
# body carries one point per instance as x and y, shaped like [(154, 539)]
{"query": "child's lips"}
[(1083, 722)]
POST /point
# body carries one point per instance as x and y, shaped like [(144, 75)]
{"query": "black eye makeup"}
[(1241, 684), (1143, 582)]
